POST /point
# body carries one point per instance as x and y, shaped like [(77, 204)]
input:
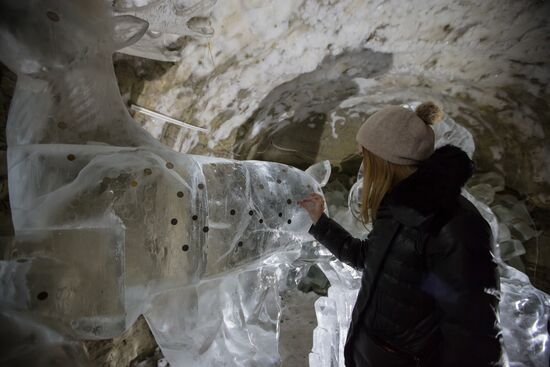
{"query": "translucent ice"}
[(524, 317), (111, 224), (320, 171), (514, 214), (54, 277), (516, 208), (484, 192), (338, 204), (503, 213), (334, 314), (503, 233), (523, 230), (510, 248), (170, 21), (229, 320), (326, 351), (493, 179)]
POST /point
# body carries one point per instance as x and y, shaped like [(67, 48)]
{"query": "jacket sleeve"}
[(460, 269), (340, 242)]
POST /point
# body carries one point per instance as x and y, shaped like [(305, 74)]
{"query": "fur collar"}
[(436, 184)]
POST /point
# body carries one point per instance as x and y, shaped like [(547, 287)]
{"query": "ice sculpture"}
[(170, 21), (524, 310), (110, 224)]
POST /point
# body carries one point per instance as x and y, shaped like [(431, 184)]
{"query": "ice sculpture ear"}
[(320, 172), (127, 30)]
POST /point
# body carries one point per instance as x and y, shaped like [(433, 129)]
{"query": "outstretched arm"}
[(340, 242), (333, 236)]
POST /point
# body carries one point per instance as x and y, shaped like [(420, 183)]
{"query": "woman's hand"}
[(314, 204)]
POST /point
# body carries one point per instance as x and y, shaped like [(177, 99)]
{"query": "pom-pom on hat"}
[(399, 135)]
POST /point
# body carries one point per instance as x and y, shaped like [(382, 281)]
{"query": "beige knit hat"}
[(400, 135)]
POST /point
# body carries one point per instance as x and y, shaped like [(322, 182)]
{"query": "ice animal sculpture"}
[(524, 310), (110, 224)]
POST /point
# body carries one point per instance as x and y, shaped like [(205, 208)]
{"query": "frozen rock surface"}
[(110, 224)]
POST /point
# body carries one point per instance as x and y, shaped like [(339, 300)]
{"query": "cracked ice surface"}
[(524, 310)]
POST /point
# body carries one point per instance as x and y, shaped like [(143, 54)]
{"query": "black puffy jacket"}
[(426, 265)]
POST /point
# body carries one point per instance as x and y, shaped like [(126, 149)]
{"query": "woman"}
[(427, 262)]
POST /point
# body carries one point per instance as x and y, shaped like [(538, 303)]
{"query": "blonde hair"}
[(379, 177)]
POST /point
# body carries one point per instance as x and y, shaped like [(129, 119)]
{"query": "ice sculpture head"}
[(38, 37)]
